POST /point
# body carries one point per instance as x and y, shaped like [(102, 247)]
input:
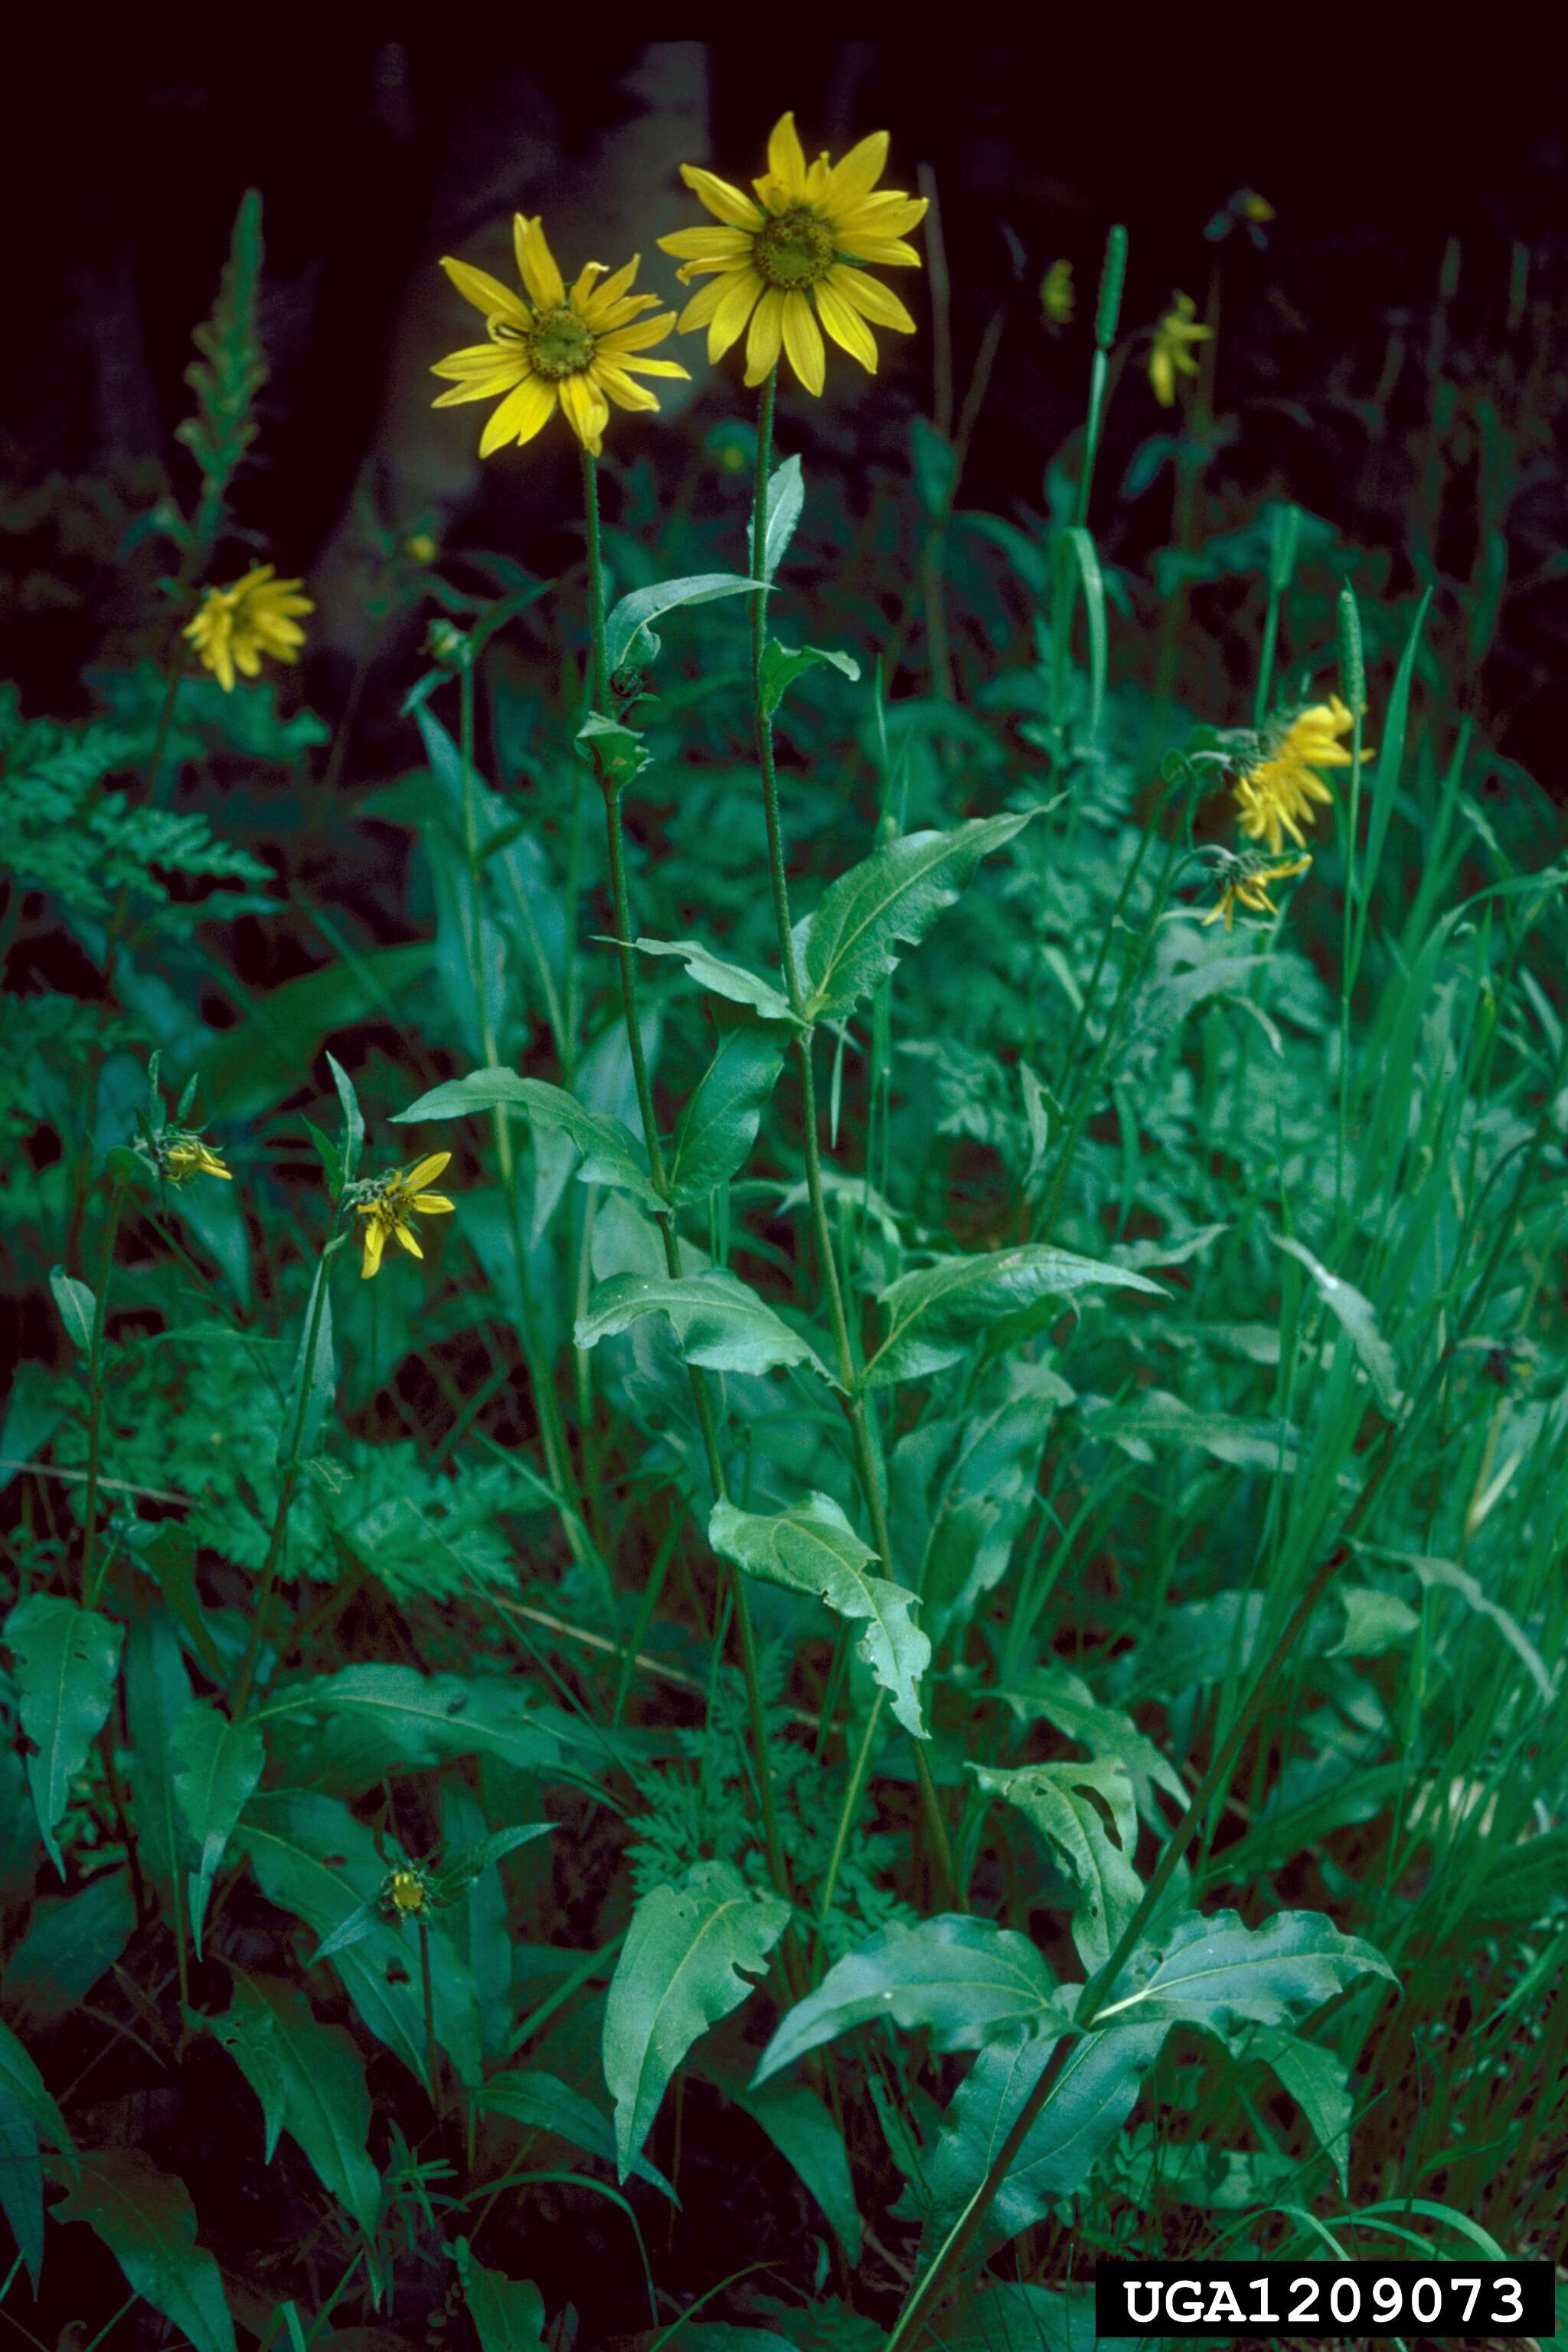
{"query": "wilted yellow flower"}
[(1249, 886), (548, 348), (387, 1203), (789, 262), (235, 626), (1173, 338), (184, 1156), (1277, 797), (1058, 298)]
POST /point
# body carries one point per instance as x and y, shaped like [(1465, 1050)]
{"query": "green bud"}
[(1282, 555), (1113, 278), (1353, 665)]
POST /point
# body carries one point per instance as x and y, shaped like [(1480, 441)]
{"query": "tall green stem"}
[(659, 1173), (867, 1464), (95, 1398)]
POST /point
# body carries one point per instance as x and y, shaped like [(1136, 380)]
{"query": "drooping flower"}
[(1277, 796), (550, 349), (790, 262), (182, 1155), (385, 1202), (234, 627), (1058, 298), (1177, 331), (1247, 886)]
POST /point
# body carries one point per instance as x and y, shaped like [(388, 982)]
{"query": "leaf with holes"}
[(1059, 1800)]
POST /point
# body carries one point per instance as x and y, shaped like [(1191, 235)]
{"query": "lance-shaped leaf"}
[(66, 1662), (679, 1973), (542, 2102), (1316, 2079), (965, 1979), (720, 1123), (321, 1373), (806, 2134), (507, 2313), (1088, 2105), (812, 1548), (719, 1321), (782, 665), (1063, 1699), (1058, 1801), (27, 2114), (465, 1863), (722, 979), (851, 940), (629, 638), (787, 497), (1219, 1973), (216, 1765), (934, 1316), (310, 2079), (77, 1308), (157, 1693), (609, 1153), (348, 1728), (1357, 1317), (148, 2222)]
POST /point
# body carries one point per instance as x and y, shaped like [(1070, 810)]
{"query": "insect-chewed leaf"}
[(1058, 1801), (727, 980), (610, 1155), (310, 2079), (629, 638), (148, 2222), (1092, 2099), (812, 1548), (719, 1321), (67, 1659), (851, 939), (1064, 1701), (935, 1313), (1219, 1973), (967, 1980), (720, 1122), (678, 1974), (216, 1765)]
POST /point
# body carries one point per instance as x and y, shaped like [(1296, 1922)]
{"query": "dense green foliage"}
[(1002, 1566)]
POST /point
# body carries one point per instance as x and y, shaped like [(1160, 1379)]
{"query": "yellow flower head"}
[(789, 262), (1058, 298), (406, 1890), (1173, 338), (1277, 796), (183, 1156), (1254, 208), (548, 348), (387, 1203), (1249, 886), (234, 626), (420, 547)]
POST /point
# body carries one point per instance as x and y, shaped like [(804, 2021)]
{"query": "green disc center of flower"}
[(794, 250), (559, 345)]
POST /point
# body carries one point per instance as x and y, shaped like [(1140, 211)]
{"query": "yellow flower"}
[(789, 262), (386, 1205), (1174, 337), (1248, 887), (187, 1156), (1275, 797), (1253, 207), (406, 1890), (1058, 298), (548, 347), (421, 546), (234, 626)]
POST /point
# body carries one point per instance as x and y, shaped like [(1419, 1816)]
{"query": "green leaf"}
[(71, 1941), (66, 1662), (629, 638), (354, 1119), (1058, 1801), (22, 2084), (466, 1863), (1356, 1316), (811, 1547), (620, 752), (1087, 557), (321, 1374), (310, 2082), (540, 2102), (723, 1112), (851, 940), (720, 1322), (507, 2313), (1053, 1693), (148, 2222), (1385, 771), (966, 1978), (680, 1972), (78, 1307), (216, 1766), (1316, 2079), (157, 1692), (351, 1728), (1217, 1973), (786, 497), (935, 1314), (806, 2136), (935, 462), (27, 2114), (1155, 1417), (609, 1154), (782, 665), (269, 1054), (1090, 2101), (727, 979)]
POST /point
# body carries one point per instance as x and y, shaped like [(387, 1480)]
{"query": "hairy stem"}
[(95, 1398)]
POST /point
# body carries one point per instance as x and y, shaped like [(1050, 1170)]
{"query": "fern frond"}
[(230, 373)]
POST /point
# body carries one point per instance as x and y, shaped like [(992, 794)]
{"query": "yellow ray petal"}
[(725, 203), (605, 303), (803, 341), (786, 159), (891, 214), (522, 414), (587, 410), (846, 326), (620, 388), (487, 293), (856, 174), (536, 263), (433, 1204), (872, 300), (583, 285), (766, 334), (424, 1170), (374, 1243), (730, 314), (886, 252), (639, 337), (404, 1233), (629, 365), (710, 245)]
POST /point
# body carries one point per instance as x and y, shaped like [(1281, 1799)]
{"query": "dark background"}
[(375, 155)]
